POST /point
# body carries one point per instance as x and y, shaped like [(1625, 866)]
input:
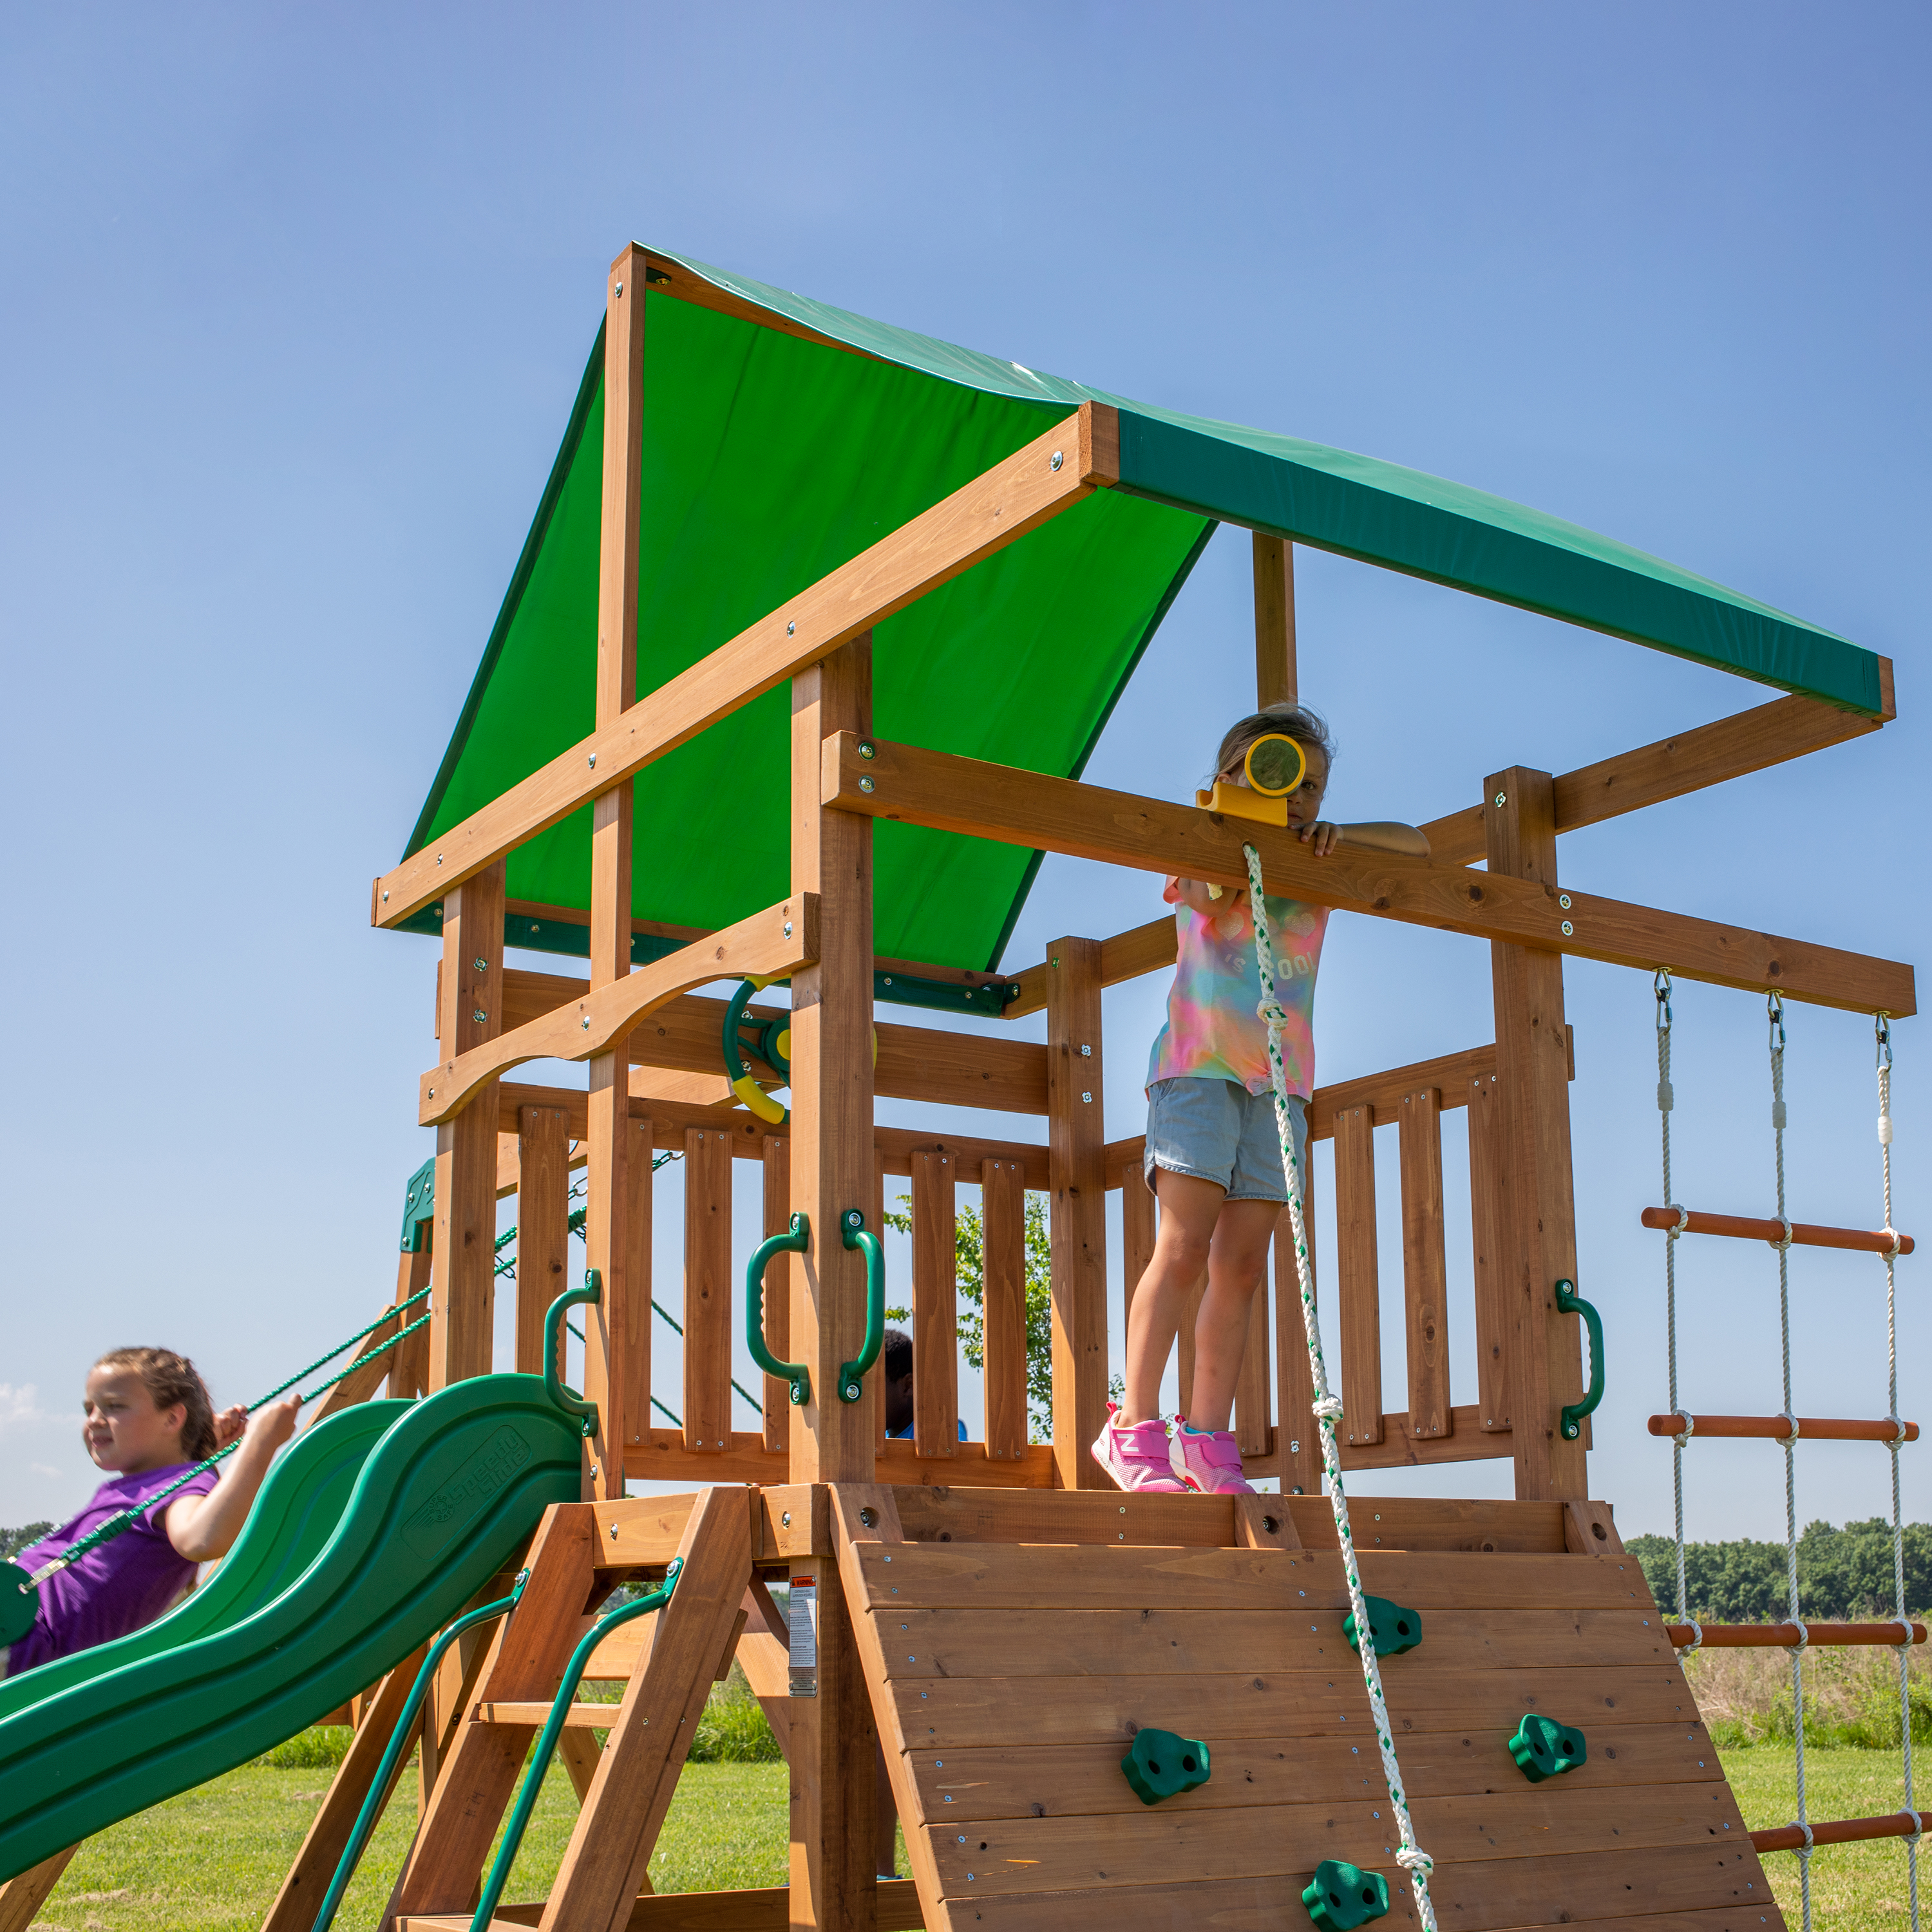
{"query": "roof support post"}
[(1276, 678), (463, 1244), (607, 1201), (1535, 1203)]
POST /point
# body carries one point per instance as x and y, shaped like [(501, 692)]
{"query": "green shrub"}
[(320, 1747), (733, 1730)]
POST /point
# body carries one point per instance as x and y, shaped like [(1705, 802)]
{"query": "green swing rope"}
[(1328, 1408), (115, 1524)]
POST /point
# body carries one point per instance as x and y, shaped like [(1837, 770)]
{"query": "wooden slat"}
[(1356, 1277), (1297, 1445), (1076, 1137), (1425, 1266), (543, 1230), (462, 1238), (1767, 735), (1030, 809), (1804, 1234), (955, 1644), (1383, 1093), (1673, 1888), (609, 1850), (778, 1292), (1087, 1857), (980, 1710), (708, 1298), (935, 1298), (1396, 1448), (994, 509), (1058, 1780), (1076, 1576), (661, 1457), (582, 1717), (1493, 1313), (1275, 677), (775, 942), (1003, 1229)]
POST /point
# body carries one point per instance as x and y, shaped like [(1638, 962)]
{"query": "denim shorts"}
[(1216, 1130)]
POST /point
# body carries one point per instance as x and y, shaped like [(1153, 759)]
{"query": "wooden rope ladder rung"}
[(1839, 1831), (1894, 1635), (1776, 1428), (1804, 1234)]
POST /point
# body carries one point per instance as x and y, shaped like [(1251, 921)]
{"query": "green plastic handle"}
[(797, 1242), (566, 1398), (553, 1730), (1569, 1302), (852, 1227)]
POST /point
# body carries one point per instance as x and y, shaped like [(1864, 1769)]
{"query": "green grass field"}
[(210, 1860)]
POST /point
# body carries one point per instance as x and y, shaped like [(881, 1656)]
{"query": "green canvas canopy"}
[(771, 456)]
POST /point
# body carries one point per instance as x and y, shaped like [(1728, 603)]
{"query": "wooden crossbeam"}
[(777, 941), (884, 780), (1768, 734), (1057, 469)]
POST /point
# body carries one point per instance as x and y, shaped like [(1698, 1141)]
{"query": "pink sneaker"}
[(1208, 1460), (1137, 1458)]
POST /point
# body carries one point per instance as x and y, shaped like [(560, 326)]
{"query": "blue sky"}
[(296, 303)]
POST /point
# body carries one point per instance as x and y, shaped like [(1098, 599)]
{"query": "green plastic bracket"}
[(1160, 1765), (1544, 1748), (566, 1398), (1395, 1628), (419, 1207), (1344, 1896), (853, 1230), (796, 1242), (1569, 1302)]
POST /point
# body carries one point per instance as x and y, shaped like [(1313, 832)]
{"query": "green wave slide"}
[(374, 1530)]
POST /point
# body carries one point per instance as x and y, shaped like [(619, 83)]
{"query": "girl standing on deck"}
[(1214, 1152)]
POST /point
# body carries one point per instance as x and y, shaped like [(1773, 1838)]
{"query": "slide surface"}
[(372, 1532)]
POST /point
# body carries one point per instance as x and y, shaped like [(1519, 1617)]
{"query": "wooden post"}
[(607, 1235), (1003, 1242), (1297, 1442), (409, 1361), (543, 1227), (1356, 1277), (1276, 679), (1425, 1267), (632, 1342), (935, 1300), (834, 1799), (463, 1244), (1493, 1309), (1076, 1166), (1537, 1208), (707, 1289), (777, 1290)]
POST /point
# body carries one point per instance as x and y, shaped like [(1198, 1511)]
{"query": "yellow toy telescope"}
[(1274, 767)]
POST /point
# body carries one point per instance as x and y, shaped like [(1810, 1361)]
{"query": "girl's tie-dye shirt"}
[(1213, 1030)]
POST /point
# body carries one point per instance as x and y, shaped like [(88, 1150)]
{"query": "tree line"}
[(1843, 1575)]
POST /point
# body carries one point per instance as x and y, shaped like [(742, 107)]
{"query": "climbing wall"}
[(1009, 1679)]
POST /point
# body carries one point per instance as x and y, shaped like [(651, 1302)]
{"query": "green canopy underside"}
[(769, 460)]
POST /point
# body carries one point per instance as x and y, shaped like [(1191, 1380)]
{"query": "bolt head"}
[(1058, 458), (1563, 900), (1569, 931), (868, 750), (865, 784), (787, 928), (593, 759), (791, 627), (1502, 798)]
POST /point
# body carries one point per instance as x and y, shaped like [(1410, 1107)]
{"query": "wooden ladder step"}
[(1803, 1234), (766, 1909), (1776, 1428), (1841, 1831), (1782, 1636), (578, 1718)]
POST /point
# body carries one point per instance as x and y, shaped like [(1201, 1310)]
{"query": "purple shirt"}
[(124, 1583)]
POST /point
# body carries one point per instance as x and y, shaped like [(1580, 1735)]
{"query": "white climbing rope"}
[(1881, 1028), (1327, 1409), (1774, 1014)]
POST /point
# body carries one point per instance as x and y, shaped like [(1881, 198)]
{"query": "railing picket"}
[(1486, 1226), (1355, 1269), (935, 1295), (1425, 1273), (1003, 1232)]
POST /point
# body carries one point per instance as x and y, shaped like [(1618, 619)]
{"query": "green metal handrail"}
[(798, 1241), (401, 1738), (856, 1235), (559, 1392), (553, 1730), (1569, 1302)]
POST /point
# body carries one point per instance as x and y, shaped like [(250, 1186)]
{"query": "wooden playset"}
[(778, 539)]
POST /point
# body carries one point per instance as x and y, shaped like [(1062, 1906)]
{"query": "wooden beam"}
[(1127, 956), (464, 1242), (1752, 741), (1057, 469), (1277, 680), (543, 1228), (1537, 1209), (777, 941), (1000, 803), (1076, 1138), (708, 1298)]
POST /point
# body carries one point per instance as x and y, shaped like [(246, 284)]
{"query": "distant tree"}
[(12, 1541), (1843, 1575)]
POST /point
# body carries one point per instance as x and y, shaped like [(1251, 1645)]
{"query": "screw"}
[(482, 965), (1563, 900), (787, 928), (613, 1527), (791, 627), (439, 858), (1058, 459), (1569, 931), (1088, 1098), (479, 1015), (1502, 798), (586, 1022), (385, 898), (1086, 1053), (868, 750), (593, 761), (865, 785), (785, 1518)]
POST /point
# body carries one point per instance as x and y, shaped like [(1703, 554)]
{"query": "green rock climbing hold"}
[(1395, 1628), (1544, 1748), (1160, 1765), (1344, 1896)]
